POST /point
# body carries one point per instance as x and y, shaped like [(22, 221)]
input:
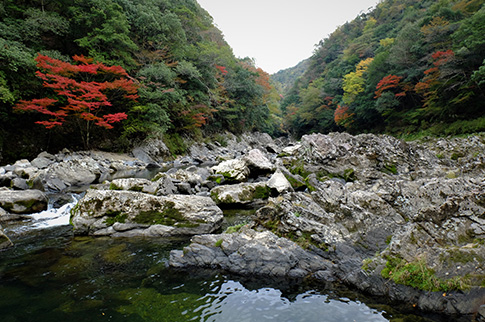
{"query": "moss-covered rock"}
[(23, 201), (240, 194), (129, 213)]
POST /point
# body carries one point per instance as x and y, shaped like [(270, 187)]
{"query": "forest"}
[(406, 68), (106, 74)]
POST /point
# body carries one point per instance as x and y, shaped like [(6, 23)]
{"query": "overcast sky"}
[(279, 34)]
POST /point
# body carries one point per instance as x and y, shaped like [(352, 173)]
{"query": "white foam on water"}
[(53, 216)]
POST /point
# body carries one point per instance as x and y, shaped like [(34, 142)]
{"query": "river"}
[(52, 275)]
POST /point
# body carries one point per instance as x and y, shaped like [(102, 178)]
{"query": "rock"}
[(74, 172), (54, 184), (43, 161), (5, 242), (184, 188), (151, 151), (249, 252), (135, 184), (165, 184), (128, 213), (6, 180), (191, 177), (480, 314), (240, 194), (279, 183), (258, 163), (23, 201), (19, 184), (234, 170), (292, 149)]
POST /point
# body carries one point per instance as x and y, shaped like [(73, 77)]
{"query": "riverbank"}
[(391, 218)]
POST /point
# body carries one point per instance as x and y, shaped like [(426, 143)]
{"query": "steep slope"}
[(406, 66), (189, 79)]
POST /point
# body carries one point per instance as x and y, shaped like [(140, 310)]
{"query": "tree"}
[(83, 91), (353, 83), (343, 117)]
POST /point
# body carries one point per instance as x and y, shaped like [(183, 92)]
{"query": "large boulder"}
[(129, 213), (75, 172), (23, 201), (240, 194), (152, 150), (249, 252), (234, 170), (258, 163), (279, 183)]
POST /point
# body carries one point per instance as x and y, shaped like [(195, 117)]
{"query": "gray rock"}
[(279, 183), (481, 314), (152, 150), (42, 162), (74, 172), (240, 194), (257, 162), (249, 253), (140, 214), (165, 184), (191, 177), (234, 170), (184, 188), (23, 201), (19, 184), (55, 184), (135, 184)]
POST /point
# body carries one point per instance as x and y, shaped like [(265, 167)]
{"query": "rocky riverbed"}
[(405, 220)]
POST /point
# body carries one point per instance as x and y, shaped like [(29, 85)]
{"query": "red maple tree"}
[(83, 90), (388, 82), (342, 116)]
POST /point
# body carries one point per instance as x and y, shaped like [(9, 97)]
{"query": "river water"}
[(52, 275)]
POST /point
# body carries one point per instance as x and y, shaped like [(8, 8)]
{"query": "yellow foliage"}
[(386, 42), (354, 81)]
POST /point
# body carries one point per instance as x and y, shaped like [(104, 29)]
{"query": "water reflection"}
[(233, 302)]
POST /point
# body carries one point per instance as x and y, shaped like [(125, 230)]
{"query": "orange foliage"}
[(343, 117)]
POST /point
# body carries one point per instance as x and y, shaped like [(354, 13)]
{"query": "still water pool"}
[(51, 275)]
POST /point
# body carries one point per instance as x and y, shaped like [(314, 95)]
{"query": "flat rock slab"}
[(249, 252), (128, 213), (23, 201)]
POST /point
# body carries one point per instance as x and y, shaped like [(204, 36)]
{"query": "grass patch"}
[(418, 275), (235, 228)]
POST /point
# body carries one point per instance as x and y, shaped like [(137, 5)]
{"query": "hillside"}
[(288, 77), (404, 67), (188, 80)]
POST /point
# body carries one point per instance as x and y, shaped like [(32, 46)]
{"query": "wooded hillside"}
[(188, 80), (407, 66)]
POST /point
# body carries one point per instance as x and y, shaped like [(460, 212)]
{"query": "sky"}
[(279, 34)]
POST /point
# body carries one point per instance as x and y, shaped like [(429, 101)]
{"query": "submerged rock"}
[(128, 213)]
